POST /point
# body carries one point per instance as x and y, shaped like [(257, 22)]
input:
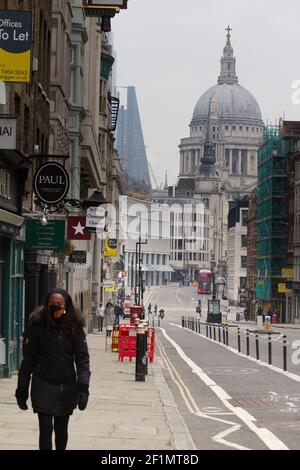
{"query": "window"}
[(244, 217), (243, 282), (226, 128), (241, 128), (233, 128), (244, 241), (243, 261), (179, 256)]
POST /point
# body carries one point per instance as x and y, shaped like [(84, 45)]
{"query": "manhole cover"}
[(251, 402)]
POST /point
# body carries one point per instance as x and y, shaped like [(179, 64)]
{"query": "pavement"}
[(121, 413)]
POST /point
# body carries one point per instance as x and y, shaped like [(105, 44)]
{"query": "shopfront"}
[(12, 238)]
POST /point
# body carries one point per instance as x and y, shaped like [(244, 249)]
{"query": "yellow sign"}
[(288, 273), (110, 247), (111, 289), (260, 283), (15, 46), (282, 289)]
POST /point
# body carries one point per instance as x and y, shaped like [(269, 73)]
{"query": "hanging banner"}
[(15, 46), (77, 228), (110, 247)]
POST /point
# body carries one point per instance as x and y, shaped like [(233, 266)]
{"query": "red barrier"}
[(127, 342)]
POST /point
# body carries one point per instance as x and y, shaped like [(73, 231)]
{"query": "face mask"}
[(56, 310)]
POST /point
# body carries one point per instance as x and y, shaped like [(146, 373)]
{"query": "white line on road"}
[(266, 436), (290, 375), (193, 408)]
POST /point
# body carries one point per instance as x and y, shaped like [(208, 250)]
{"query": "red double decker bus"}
[(204, 281)]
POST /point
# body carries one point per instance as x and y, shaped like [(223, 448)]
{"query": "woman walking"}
[(56, 356)]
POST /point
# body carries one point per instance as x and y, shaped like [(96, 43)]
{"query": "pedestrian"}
[(118, 312), (100, 316), (56, 360), (161, 313), (109, 317), (246, 314)]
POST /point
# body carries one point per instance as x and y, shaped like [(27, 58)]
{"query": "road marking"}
[(290, 375), (193, 408), (265, 435)]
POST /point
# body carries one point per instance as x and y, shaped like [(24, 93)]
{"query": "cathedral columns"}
[(240, 162), (230, 161)]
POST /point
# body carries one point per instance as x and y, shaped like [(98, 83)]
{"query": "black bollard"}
[(224, 338), (140, 363), (284, 354), (214, 333), (206, 330), (227, 336), (210, 335), (219, 328), (270, 348), (239, 339), (182, 322), (257, 346), (146, 348), (248, 343)]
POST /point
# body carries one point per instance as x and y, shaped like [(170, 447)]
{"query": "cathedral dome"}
[(232, 102)]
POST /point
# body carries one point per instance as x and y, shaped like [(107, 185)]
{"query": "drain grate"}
[(257, 402)]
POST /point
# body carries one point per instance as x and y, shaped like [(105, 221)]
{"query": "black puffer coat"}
[(50, 355)]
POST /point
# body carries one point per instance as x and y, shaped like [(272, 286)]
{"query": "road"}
[(227, 400)]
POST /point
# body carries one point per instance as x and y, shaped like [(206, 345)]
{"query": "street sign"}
[(78, 257), (107, 284), (45, 237), (51, 183), (288, 273)]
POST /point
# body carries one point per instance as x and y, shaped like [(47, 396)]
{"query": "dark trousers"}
[(60, 425), (100, 323)]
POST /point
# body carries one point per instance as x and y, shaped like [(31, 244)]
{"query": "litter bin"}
[(267, 322)]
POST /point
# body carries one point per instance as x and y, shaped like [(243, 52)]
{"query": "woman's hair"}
[(71, 322)]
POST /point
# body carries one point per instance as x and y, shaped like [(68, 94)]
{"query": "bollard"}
[(140, 363), (270, 348), (146, 348), (257, 346), (206, 330), (210, 334), (158, 322), (248, 343), (219, 328), (284, 353), (182, 322), (194, 324), (214, 333), (199, 327), (239, 339), (227, 336), (224, 339)]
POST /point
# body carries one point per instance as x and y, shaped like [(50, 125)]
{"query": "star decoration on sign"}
[(79, 229)]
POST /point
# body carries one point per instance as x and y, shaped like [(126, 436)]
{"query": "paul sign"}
[(51, 183)]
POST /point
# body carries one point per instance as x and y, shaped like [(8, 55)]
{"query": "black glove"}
[(83, 396), (21, 396)]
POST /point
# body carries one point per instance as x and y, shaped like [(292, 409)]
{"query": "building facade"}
[(237, 251)]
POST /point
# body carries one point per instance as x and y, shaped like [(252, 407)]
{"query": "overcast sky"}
[(170, 51)]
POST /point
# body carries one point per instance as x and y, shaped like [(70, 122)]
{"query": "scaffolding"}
[(272, 216)]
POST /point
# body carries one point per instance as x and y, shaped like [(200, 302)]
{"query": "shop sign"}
[(105, 4), (45, 237), (95, 218), (15, 46), (78, 257), (111, 245), (51, 183), (282, 288), (8, 133), (288, 273)]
